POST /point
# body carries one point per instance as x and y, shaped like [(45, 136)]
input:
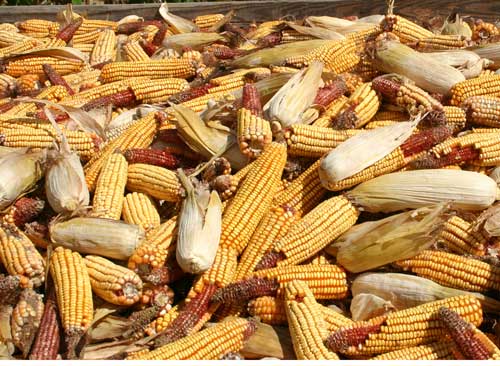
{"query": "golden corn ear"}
[(484, 86), (460, 237), (362, 105), (104, 48), (139, 209), (33, 65), (134, 52), (158, 182), (432, 351)]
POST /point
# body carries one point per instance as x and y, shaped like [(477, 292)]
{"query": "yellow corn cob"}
[(362, 105), (272, 227), (307, 328), (33, 65), (20, 47), (235, 180), (459, 236), (200, 103), (405, 30), (54, 94), (456, 117), (192, 55), (115, 284), (291, 35), (110, 187), (440, 42), (104, 48), (134, 52), (484, 86), (237, 78), (154, 250), (158, 182), (83, 143), (166, 68), (8, 27), (139, 135), (377, 124), (28, 84), (304, 193), (254, 133), (432, 351), (139, 209), (453, 270), (83, 78), (86, 38), (39, 26), (7, 86), (90, 25), (20, 257), (74, 294), (362, 36), (395, 116), (147, 33), (486, 72), (283, 69), (401, 329), (157, 91), (9, 38), (483, 110), (209, 344), (207, 20), (313, 141), (54, 43), (332, 111), (84, 47)]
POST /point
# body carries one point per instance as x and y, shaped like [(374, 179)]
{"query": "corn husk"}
[(367, 306), (495, 174), (377, 243), (457, 28), (418, 188), (318, 32), (468, 63), (128, 116), (19, 172), (427, 73), (277, 55), (104, 237), (490, 51), (130, 19), (290, 102), (374, 18), (342, 26), (199, 229), (269, 341), (7, 347), (207, 140), (490, 220), (192, 40), (406, 291), (4, 150), (361, 151), (179, 24), (65, 184), (267, 87)]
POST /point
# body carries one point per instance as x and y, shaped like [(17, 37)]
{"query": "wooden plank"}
[(248, 11)]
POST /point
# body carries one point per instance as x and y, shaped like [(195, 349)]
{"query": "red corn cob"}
[(58, 116), (169, 136), (342, 339), (330, 92), (160, 35), (139, 320), (132, 27), (149, 47), (10, 289), (245, 290), (165, 275), (160, 296), (191, 93), (25, 210), (7, 106), (458, 155), (347, 119), (121, 99), (46, 346), (251, 99), (101, 65), (67, 32), (463, 335), (152, 157), (389, 88), (55, 78), (225, 53), (426, 139), (218, 167), (270, 40), (270, 260), (38, 233)]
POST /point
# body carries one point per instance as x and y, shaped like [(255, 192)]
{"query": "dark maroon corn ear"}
[(457, 156), (55, 78), (426, 139), (343, 339), (67, 32), (251, 99), (245, 290)]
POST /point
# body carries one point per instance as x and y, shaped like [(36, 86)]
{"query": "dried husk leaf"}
[(427, 73), (318, 32), (362, 150), (101, 351), (7, 348), (277, 55), (4, 150), (406, 291), (468, 63), (130, 19), (490, 51), (64, 53), (109, 328), (267, 87), (199, 229), (129, 116), (464, 190), (227, 18), (288, 105), (269, 341), (492, 223), (376, 243), (104, 237), (374, 18), (19, 172), (495, 174), (192, 40), (179, 24), (342, 26), (367, 306), (458, 28)]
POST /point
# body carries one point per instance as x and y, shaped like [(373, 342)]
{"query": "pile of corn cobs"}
[(316, 189)]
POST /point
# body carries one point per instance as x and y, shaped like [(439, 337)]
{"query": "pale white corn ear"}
[(318, 32), (199, 230), (407, 291), (374, 18), (457, 28), (418, 188), (431, 75), (490, 51), (104, 237), (470, 64), (4, 150), (367, 306), (376, 243), (191, 40), (288, 105), (362, 151), (179, 24), (342, 26), (19, 172), (130, 19)]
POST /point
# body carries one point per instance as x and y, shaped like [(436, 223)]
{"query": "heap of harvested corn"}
[(316, 189)]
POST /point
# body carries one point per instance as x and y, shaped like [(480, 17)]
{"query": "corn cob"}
[(454, 271), (157, 91), (9, 38), (152, 157), (330, 92), (40, 27), (488, 86), (20, 257), (401, 329), (460, 237), (206, 21), (227, 185), (158, 182), (309, 235), (55, 78), (359, 109), (134, 52), (133, 27), (254, 133), (471, 342), (25, 210), (20, 47), (138, 135), (25, 320), (405, 30), (483, 31), (431, 351), (85, 38), (211, 343), (33, 65), (139, 209), (270, 310), (441, 42), (167, 68), (53, 94), (74, 295), (108, 196), (115, 284), (105, 48), (90, 25), (46, 346), (152, 252), (28, 84), (388, 115), (11, 288), (483, 110), (67, 32), (331, 112), (307, 328), (85, 48)]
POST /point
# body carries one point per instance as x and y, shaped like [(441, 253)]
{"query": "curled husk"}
[(192, 40), (490, 51), (367, 306), (179, 24), (470, 64), (342, 26)]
